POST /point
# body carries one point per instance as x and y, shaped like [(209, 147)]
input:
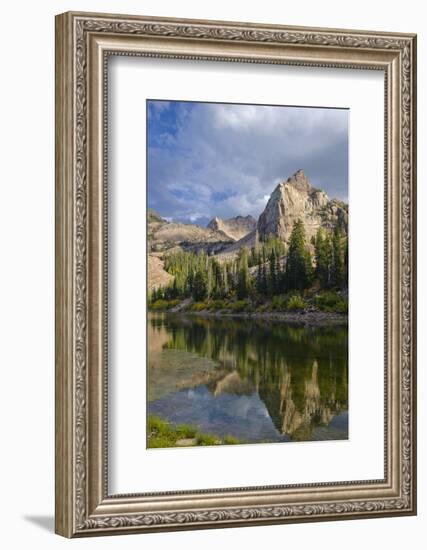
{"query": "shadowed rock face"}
[(235, 228), (296, 199)]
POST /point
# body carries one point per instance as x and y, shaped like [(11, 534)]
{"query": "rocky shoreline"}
[(308, 318)]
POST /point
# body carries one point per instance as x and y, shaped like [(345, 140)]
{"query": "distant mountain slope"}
[(235, 228), (231, 251), (291, 200), (157, 276), (153, 216), (163, 235)]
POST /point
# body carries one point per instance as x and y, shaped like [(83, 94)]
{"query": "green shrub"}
[(279, 302), (206, 439), (217, 305), (185, 431), (240, 305), (331, 301), (199, 306), (162, 305), (295, 303), (230, 440), (157, 425), (163, 434), (342, 307), (161, 442)]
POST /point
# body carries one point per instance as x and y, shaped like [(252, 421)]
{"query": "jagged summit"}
[(295, 199), (236, 228), (299, 180)]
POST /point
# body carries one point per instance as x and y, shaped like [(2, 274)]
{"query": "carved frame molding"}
[(83, 43)]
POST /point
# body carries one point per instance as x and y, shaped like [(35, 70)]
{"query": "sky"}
[(216, 159)]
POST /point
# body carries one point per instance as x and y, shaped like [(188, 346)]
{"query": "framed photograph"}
[(235, 274)]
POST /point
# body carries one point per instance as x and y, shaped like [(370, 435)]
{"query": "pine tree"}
[(225, 286), (153, 296), (200, 286), (190, 282), (175, 292), (217, 279), (323, 257), (279, 276), (243, 278), (210, 282), (261, 283), (346, 262), (160, 293), (272, 279), (231, 276), (298, 262), (258, 281), (338, 261)]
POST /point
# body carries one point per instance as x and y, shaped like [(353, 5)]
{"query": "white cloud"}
[(196, 216), (226, 159)]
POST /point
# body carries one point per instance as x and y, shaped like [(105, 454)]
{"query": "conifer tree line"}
[(269, 268)]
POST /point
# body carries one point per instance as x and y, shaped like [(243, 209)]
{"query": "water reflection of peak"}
[(232, 383), (297, 408)]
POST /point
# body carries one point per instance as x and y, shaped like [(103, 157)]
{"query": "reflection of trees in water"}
[(300, 373)]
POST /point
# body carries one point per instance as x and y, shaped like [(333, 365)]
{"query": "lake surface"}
[(256, 380)]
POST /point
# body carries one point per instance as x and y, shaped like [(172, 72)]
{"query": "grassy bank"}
[(324, 302), (163, 434)]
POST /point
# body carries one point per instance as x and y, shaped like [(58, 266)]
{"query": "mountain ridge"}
[(292, 199), (236, 227)]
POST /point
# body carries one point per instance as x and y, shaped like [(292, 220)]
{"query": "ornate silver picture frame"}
[(84, 42)]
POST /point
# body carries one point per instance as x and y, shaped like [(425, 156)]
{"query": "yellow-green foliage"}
[(239, 305), (331, 301), (199, 306), (217, 305), (279, 302), (159, 305), (207, 439), (162, 434), (295, 303), (163, 305), (230, 440)]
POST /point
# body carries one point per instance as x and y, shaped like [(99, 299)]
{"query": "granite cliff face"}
[(235, 228), (296, 199)]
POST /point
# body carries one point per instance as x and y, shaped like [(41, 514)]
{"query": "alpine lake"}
[(255, 380)]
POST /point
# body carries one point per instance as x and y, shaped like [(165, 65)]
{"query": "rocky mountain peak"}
[(295, 199), (299, 181)]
